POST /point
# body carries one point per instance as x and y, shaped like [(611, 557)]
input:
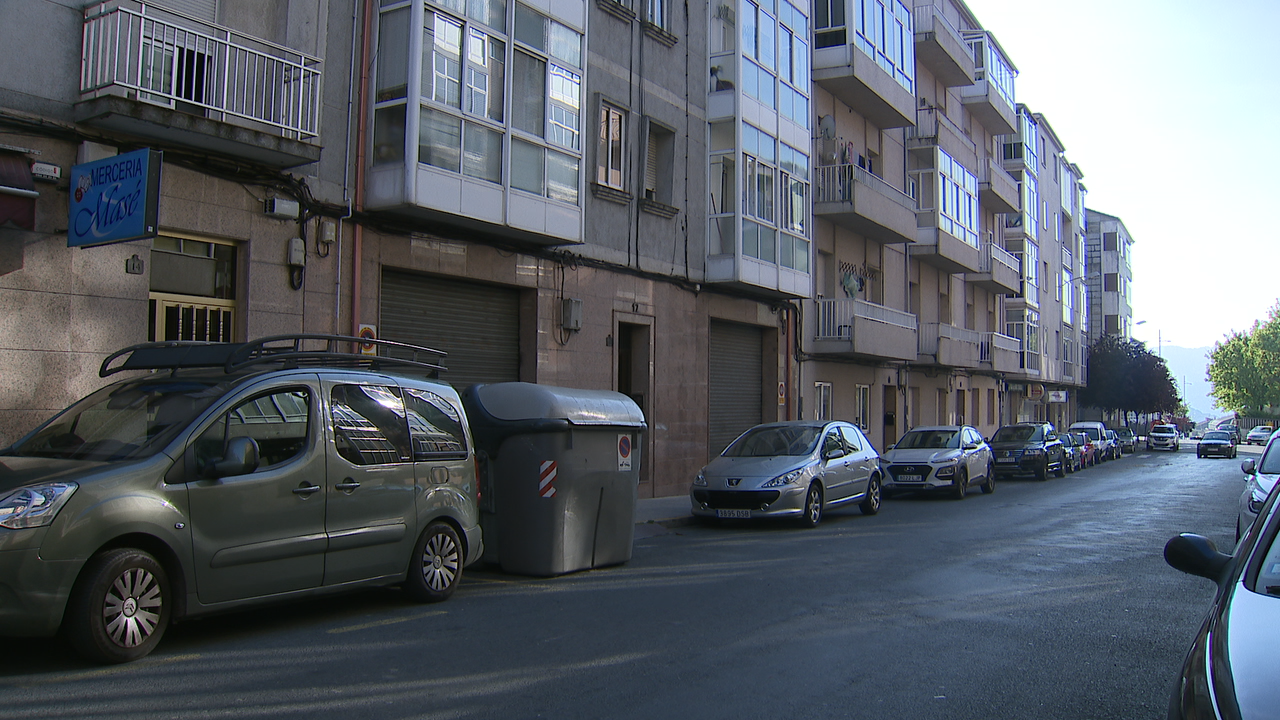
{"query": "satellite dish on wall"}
[(827, 127)]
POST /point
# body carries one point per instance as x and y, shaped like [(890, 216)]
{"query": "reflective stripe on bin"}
[(546, 476)]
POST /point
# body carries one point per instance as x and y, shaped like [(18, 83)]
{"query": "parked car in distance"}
[(1028, 448), (1230, 669), (238, 474), (1216, 442), (940, 457), (1073, 452), (796, 469), (1260, 476), (1234, 430), (1163, 437), (1088, 451), (1259, 435), (1128, 439), (1117, 450), (1103, 449)]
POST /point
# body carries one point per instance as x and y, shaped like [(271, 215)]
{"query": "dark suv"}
[(220, 475), (1028, 448)]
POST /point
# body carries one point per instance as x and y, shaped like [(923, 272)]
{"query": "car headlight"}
[(945, 470), (700, 481), (34, 506), (787, 479)]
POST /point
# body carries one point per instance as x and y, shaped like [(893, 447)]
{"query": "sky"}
[(1169, 108)]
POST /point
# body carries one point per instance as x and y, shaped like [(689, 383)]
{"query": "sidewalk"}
[(667, 511)]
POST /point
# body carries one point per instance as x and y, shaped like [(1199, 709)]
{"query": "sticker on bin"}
[(546, 476), (624, 452)]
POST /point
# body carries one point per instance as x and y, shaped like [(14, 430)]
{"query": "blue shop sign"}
[(115, 200)]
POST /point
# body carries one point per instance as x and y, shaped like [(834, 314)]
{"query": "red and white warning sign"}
[(624, 452), (547, 476), (368, 332)]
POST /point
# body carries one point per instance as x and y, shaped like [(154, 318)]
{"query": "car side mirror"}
[(834, 454), (1196, 555), (972, 446), (241, 459), (1250, 467)]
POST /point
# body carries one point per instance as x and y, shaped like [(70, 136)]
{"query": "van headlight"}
[(35, 505)]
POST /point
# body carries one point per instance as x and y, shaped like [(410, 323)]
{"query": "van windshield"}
[(130, 419)]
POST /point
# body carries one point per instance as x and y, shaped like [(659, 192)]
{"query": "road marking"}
[(388, 621)]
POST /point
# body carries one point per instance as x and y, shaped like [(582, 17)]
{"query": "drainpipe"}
[(357, 241)]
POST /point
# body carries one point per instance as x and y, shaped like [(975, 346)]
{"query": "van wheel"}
[(119, 608), (436, 566)]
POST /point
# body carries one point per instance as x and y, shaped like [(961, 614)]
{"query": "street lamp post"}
[(1158, 339)]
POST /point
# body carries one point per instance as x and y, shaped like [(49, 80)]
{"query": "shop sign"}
[(1057, 396), (115, 199)]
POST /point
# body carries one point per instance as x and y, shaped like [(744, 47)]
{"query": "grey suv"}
[(223, 475)]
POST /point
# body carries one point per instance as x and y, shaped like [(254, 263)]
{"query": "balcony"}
[(999, 271), (162, 76), (858, 81), (1000, 353), (856, 327), (948, 345), (997, 190), (990, 107), (990, 97), (937, 246), (940, 48), (853, 198), (934, 129)]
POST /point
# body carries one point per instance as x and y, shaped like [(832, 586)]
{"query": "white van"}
[(1097, 432)]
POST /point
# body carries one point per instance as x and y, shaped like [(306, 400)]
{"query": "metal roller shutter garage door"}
[(736, 354), (478, 325)]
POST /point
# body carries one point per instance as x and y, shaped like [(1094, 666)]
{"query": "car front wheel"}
[(989, 486), (436, 566), (119, 608), (960, 485), (812, 514)]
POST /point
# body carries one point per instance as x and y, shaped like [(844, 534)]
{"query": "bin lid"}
[(529, 401)]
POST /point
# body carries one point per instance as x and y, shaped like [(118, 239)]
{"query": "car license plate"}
[(908, 478), (1006, 460), (744, 514)]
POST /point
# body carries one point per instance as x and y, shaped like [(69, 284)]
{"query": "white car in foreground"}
[(1260, 476)]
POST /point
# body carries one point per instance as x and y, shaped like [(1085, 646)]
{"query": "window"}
[(862, 406), (659, 163), (829, 23), (957, 199), (853, 439), (1110, 241), (885, 32), (278, 422), (435, 426), (822, 401), (655, 13), (1111, 282), (611, 153), (369, 424), (193, 290)]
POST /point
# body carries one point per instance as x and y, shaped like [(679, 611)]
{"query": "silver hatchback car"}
[(790, 469)]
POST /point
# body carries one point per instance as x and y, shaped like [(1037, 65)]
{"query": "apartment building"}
[(1110, 275), (761, 211), (218, 129)]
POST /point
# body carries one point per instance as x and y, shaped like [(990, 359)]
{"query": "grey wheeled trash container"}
[(559, 469)]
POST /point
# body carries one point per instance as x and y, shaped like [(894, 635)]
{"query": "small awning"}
[(17, 191)]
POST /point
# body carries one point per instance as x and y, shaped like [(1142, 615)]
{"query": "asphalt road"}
[(1043, 600)]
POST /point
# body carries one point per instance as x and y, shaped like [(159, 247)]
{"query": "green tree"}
[(1125, 376), (1245, 368)]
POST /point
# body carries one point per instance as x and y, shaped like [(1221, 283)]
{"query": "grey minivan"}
[(223, 475)]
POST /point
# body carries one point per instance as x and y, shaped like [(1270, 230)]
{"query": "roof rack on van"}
[(289, 350)]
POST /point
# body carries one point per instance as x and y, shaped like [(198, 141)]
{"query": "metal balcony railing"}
[(834, 183), (164, 57), (998, 256), (836, 317), (993, 341)]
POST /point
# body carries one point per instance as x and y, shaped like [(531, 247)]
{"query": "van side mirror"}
[(241, 459)]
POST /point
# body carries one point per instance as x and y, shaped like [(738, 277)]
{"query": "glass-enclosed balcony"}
[(947, 218), (162, 75), (990, 98), (864, 54)]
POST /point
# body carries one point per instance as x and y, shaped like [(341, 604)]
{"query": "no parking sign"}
[(624, 452)]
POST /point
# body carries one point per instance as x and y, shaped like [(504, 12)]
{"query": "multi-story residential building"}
[(764, 210), (241, 97), (1110, 276)]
